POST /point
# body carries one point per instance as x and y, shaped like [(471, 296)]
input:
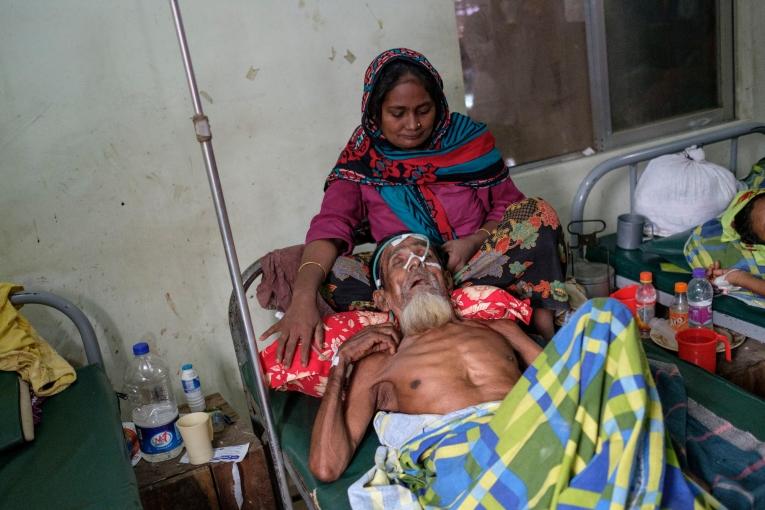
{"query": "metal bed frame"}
[(631, 160), (81, 322)]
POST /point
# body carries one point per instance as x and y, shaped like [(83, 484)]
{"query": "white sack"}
[(679, 191)]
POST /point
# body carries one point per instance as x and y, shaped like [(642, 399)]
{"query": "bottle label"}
[(191, 385), (678, 320), (159, 439), (701, 315)]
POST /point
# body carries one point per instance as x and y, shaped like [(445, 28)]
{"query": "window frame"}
[(604, 137)]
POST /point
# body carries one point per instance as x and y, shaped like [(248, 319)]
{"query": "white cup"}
[(197, 432)]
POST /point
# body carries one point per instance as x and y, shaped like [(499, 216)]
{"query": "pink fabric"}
[(345, 204), (274, 292)]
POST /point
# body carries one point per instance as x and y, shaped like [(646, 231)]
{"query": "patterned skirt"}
[(525, 255)]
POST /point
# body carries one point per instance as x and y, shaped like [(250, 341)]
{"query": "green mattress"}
[(78, 458)]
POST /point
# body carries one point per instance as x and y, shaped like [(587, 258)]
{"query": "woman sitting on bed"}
[(413, 166), (732, 247)]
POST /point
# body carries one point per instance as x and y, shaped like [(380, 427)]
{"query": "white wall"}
[(105, 199)]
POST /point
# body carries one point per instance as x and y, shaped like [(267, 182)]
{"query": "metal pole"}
[(204, 136)]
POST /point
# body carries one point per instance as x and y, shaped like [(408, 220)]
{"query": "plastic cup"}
[(627, 296), (699, 346), (197, 432)]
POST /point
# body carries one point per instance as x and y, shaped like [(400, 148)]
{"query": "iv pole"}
[(204, 137)]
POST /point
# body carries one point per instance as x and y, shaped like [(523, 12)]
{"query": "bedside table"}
[(170, 484)]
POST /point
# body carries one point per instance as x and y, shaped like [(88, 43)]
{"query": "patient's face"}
[(405, 275), (758, 219)]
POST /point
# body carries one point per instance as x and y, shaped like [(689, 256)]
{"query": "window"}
[(555, 77)]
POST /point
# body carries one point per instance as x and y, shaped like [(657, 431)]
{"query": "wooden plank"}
[(191, 491), (254, 476)]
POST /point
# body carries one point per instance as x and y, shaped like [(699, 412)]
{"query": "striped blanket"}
[(583, 428), (729, 460)]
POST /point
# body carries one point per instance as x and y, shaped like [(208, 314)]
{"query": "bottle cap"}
[(646, 277), (187, 366), (140, 348), (681, 287), (699, 272)]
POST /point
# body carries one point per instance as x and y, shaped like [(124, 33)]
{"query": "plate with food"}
[(663, 338)]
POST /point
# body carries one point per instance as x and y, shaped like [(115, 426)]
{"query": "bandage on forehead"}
[(395, 241)]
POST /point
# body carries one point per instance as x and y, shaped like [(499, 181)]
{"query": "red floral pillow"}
[(474, 302)]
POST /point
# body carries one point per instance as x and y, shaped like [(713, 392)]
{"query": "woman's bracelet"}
[(484, 230), (310, 262)]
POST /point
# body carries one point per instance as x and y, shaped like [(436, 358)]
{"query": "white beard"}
[(425, 311)]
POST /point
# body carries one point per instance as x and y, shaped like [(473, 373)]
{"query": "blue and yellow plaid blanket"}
[(583, 428)]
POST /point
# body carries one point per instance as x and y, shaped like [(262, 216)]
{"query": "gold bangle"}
[(484, 230), (308, 263)]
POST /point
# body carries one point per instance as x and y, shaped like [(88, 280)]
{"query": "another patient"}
[(732, 247)]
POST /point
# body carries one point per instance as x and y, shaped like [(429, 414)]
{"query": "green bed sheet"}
[(78, 458)]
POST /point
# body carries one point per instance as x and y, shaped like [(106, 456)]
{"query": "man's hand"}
[(302, 325), (461, 250), (371, 339)]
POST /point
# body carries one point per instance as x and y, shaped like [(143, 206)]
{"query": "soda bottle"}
[(154, 412), (700, 295), (192, 388), (678, 310), (645, 298)]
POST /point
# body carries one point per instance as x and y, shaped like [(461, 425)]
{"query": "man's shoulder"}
[(373, 363)]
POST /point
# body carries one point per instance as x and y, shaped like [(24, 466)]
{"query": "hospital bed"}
[(727, 311), (78, 457), (292, 414)]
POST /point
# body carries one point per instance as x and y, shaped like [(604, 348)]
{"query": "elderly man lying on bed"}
[(463, 427)]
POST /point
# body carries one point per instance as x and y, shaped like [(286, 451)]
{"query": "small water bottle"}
[(678, 310), (154, 411), (700, 296), (645, 298), (192, 388)]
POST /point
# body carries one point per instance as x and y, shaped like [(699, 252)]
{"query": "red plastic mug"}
[(627, 296), (699, 346)]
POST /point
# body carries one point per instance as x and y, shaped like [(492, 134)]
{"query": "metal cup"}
[(629, 231)]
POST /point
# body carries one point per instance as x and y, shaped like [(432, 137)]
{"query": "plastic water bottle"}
[(192, 388), (700, 295), (645, 298), (678, 310), (154, 412)]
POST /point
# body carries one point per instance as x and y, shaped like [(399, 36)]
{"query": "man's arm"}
[(342, 420), (526, 348)]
